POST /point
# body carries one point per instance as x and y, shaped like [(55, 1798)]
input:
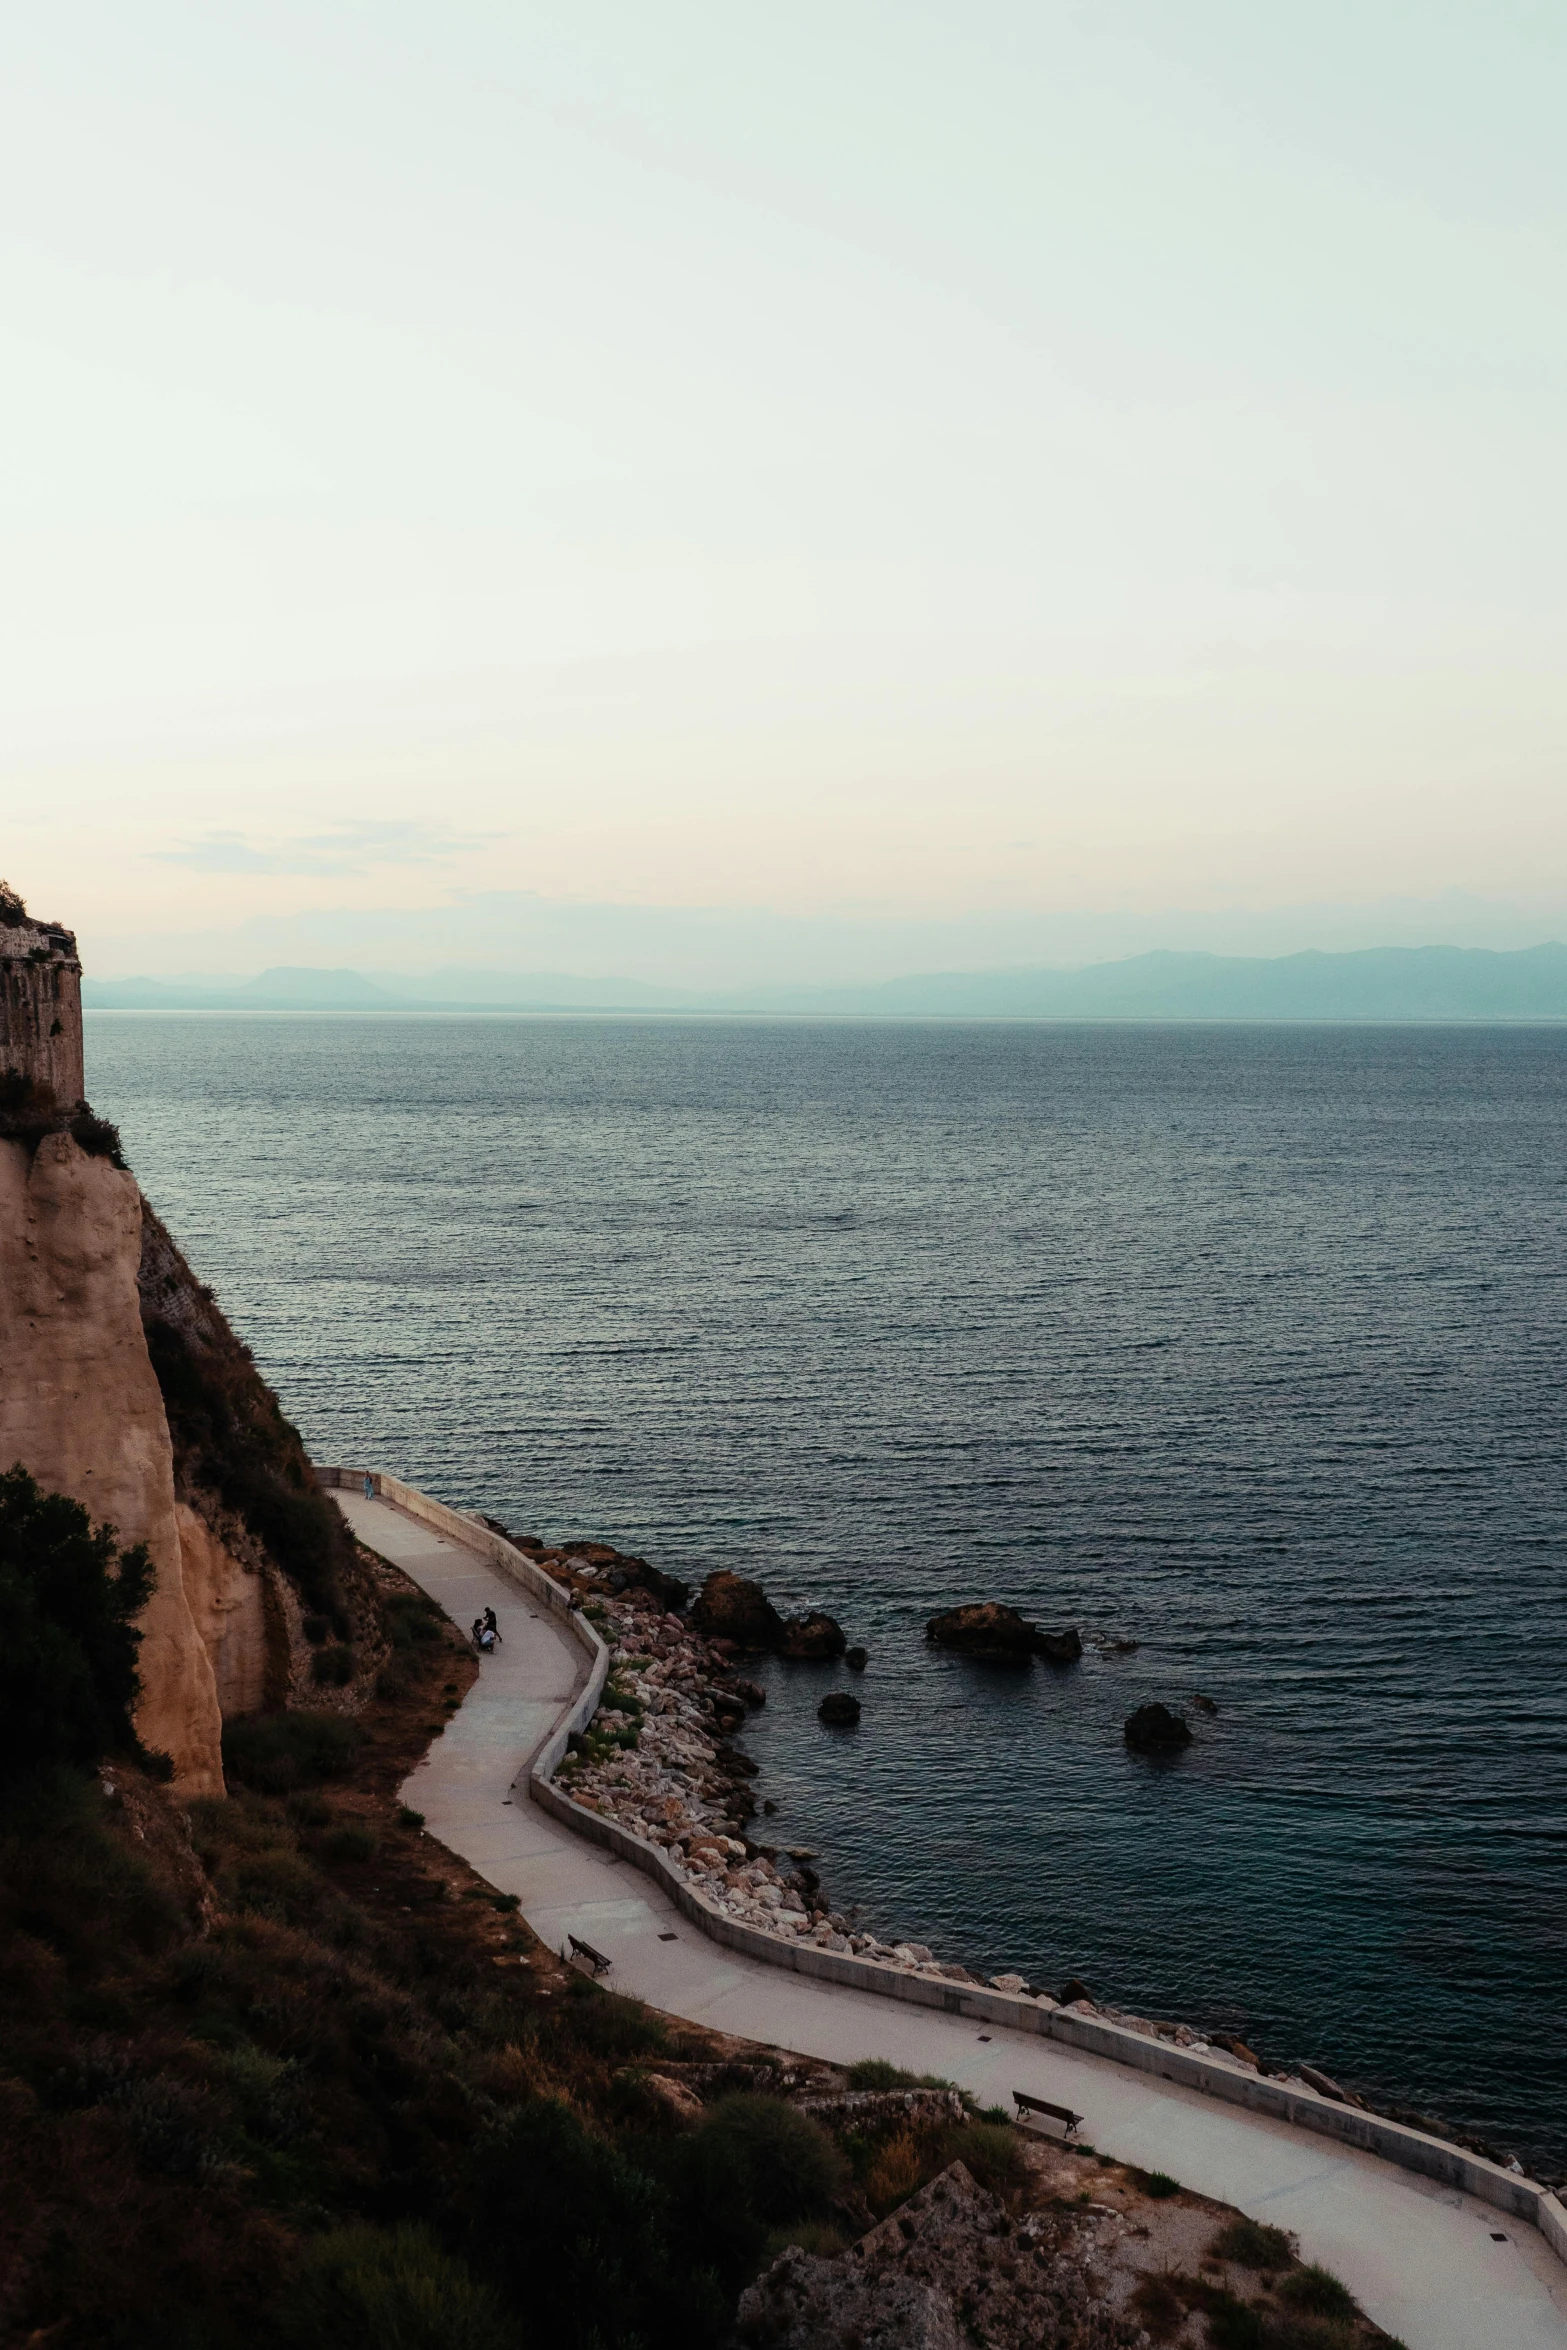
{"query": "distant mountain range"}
[(1378, 983)]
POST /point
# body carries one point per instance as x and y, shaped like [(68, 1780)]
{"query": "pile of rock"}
[(949, 2268), (655, 1759)]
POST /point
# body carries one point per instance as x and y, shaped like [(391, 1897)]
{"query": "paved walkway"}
[(1424, 2260)]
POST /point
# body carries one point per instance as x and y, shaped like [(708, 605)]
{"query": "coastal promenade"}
[(1437, 2268)]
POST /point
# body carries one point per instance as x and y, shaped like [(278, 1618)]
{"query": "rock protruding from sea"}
[(812, 1637), (1153, 1729), (732, 1607), (839, 1710), (1000, 1635)]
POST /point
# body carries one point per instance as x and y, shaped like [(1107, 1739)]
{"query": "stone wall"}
[(40, 1003)]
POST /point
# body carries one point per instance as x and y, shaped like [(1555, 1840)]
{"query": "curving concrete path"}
[(1438, 2269)]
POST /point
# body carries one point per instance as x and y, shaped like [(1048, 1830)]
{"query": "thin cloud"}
[(347, 852)]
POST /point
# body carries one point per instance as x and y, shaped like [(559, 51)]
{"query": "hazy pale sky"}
[(921, 465)]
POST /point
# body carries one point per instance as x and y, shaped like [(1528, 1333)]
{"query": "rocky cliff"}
[(80, 1408), (122, 1385)]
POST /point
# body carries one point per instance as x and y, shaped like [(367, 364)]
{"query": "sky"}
[(862, 487)]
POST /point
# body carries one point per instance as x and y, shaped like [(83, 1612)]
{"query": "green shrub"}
[(1232, 2326), (97, 1138), (874, 2072), (1318, 2293), (365, 2288), (68, 1642), (277, 1752), (582, 2239), (333, 1667), (350, 1843), (412, 1621), (1158, 2184), (1297, 2330), (789, 2164), (274, 1884), (607, 2023), (991, 2150), (70, 1886), (1250, 2244), (408, 1818), (753, 2165)]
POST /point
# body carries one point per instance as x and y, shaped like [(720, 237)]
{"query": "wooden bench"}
[(1027, 2106), (595, 1958)]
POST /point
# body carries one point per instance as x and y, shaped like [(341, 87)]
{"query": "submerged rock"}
[(856, 1659), (1153, 1729), (1061, 1648)]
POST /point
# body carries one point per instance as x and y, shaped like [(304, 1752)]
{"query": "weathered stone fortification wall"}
[(41, 1005), (80, 1408)]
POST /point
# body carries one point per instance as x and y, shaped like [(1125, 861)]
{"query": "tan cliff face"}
[(81, 1409)]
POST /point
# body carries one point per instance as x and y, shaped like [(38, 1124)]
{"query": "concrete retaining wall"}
[(1211, 2075)]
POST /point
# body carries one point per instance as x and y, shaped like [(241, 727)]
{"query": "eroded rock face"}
[(227, 1600), (950, 2270), (803, 2303), (80, 1408)]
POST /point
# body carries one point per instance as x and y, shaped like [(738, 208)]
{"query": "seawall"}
[(1210, 2075)]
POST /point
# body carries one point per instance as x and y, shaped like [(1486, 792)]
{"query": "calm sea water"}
[(1249, 1345)]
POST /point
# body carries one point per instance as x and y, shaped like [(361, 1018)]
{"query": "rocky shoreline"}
[(657, 1759)]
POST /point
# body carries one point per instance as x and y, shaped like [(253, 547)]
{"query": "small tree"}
[(68, 1642)]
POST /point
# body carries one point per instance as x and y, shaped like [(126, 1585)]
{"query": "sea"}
[(1244, 1345)]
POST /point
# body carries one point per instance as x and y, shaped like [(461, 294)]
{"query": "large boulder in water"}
[(812, 1637), (1000, 1635), (839, 1710), (731, 1607), (986, 1629), (1153, 1729)]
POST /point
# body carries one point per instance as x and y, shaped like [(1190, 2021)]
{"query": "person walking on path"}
[(369, 1486)]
